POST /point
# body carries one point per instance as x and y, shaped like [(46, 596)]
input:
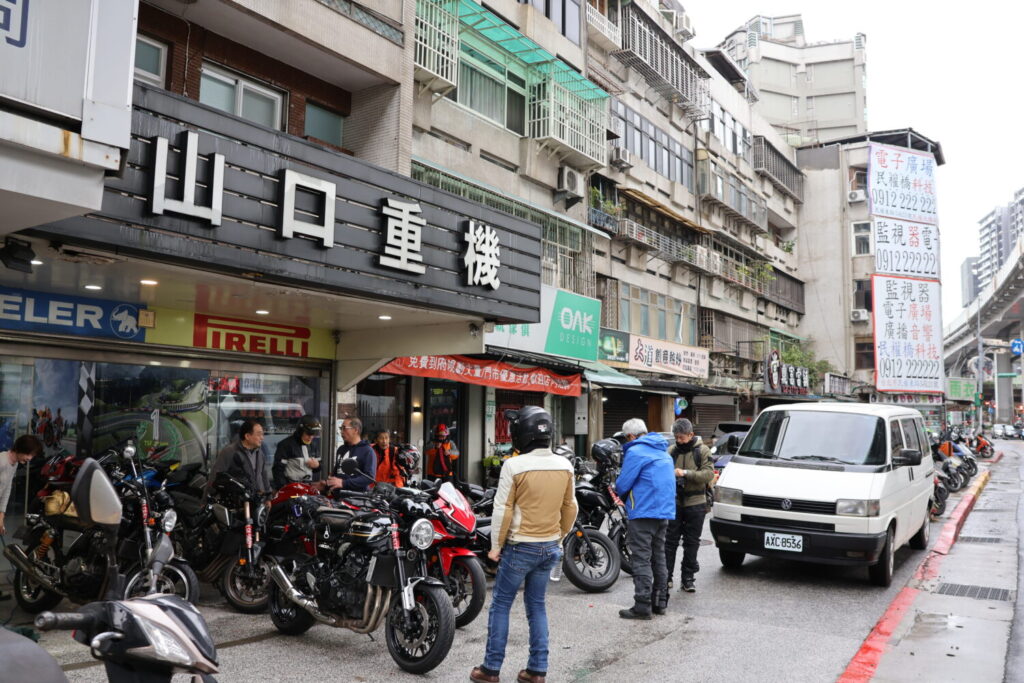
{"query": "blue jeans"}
[(521, 562)]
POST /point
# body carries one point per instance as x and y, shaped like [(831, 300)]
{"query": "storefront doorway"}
[(445, 404)]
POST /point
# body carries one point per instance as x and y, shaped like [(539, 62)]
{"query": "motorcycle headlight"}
[(170, 518), (166, 646), (857, 508), (728, 496), (421, 534)]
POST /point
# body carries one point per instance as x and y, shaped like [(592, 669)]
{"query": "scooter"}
[(149, 638)]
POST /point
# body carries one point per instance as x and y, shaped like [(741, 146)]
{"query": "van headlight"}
[(728, 496), (421, 534), (857, 508)]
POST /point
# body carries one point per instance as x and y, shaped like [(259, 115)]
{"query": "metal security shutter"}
[(709, 415), (621, 406)]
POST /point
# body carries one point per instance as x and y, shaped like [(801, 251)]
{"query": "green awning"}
[(605, 375), (497, 31)]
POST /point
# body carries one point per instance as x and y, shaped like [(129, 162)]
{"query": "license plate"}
[(790, 542)]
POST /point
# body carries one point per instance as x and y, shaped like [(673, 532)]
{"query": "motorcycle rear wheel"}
[(938, 506), (422, 645), (288, 617), (622, 543), (248, 595), (466, 585), (954, 482), (971, 465), (31, 596), (594, 569)]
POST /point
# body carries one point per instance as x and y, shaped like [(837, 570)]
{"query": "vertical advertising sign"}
[(901, 184), (905, 248), (908, 334)]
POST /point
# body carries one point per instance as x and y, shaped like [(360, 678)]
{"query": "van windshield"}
[(803, 435)]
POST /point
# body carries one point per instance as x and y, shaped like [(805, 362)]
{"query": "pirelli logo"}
[(250, 336)]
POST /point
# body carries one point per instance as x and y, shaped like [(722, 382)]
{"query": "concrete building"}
[(997, 234), (810, 91), (969, 279)]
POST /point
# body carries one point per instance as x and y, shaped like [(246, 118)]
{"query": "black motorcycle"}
[(46, 571), (599, 505), (358, 563)]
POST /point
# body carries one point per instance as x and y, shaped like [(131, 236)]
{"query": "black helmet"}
[(606, 453), (310, 424), (530, 428)]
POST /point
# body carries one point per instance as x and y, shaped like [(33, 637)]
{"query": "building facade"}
[(969, 280), (810, 91)]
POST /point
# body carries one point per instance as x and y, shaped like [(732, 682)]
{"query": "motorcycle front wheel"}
[(466, 585), (419, 641), (592, 567), (972, 466), (246, 588), (619, 535), (176, 578)]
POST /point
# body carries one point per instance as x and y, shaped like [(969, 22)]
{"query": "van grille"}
[(787, 523), (813, 506)]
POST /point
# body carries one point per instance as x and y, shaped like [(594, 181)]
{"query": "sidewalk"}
[(953, 620)]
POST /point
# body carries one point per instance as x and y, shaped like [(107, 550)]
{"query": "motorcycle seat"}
[(336, 519)]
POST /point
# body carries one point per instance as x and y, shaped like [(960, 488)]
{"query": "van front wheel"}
[(881, 572), (731, 559)]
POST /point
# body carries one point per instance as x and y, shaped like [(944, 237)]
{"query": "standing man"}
[(295, 459), (694, 470), (247, 463), (647, 486), (441, 458), (24, 449), (534, 509), (357, 447)]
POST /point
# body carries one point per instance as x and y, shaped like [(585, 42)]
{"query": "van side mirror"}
[(95, 498), (907, 456)]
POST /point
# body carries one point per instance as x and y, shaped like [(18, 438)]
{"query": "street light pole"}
[(979, 371)]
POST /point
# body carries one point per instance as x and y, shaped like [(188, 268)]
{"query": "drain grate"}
[(979, 539), (960, 590)]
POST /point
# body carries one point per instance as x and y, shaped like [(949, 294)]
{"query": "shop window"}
[(150, 61), (862, 238), (381, 405), (505, 399), (324, 124), (864, 355), (240, 96), (444, 405)]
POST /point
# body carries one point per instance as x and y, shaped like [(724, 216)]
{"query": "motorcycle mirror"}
[(349, 467), (95, 498)]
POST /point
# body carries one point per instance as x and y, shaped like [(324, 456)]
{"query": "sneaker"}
[(688, 587), (631, 613)]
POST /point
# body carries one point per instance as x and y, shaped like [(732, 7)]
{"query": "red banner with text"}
[(488, 373)]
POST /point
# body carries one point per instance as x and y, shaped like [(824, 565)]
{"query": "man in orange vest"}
[(441, 458)]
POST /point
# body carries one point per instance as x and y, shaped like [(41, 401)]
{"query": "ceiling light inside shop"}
[(36, 262), (155, 362), (94, 288), (148, 282), (263, 311), (383, 317)]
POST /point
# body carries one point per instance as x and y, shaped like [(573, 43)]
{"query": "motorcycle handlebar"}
[(50, 621)]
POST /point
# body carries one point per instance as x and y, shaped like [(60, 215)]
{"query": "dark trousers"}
[(647, 553), (689, 523)]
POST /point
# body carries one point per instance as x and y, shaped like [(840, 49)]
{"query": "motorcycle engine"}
[(83, 575), (341, 585)]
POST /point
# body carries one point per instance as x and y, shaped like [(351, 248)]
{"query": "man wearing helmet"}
[(534, 509), (441, 458), (295, 458)]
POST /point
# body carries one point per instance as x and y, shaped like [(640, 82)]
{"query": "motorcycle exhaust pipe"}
[(292, 593), (19, 559)]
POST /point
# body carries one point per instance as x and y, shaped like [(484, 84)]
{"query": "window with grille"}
[(862, 238), (492, 84)]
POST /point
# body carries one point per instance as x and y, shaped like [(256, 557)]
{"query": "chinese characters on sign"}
[(482, 255), (901, 184), (14, 22), (908, 334), (403, 235), (904, 248), (654, 355), (783, 378), (487, 373)]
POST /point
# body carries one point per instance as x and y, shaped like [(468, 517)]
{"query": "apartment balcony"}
[(570, 114), (437, 45), (663, 63), (779, 170), (603, 30), (605, 221), (728, 192)]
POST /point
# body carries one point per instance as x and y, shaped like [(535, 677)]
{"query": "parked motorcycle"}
[(357, 565), (599, 504), (46, 571), (939, 495), (148, 638)]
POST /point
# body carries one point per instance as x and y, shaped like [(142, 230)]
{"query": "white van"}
[(835, 483)]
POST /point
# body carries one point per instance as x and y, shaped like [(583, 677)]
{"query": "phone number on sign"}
[(902, 201), (915, 262), (910, 368)]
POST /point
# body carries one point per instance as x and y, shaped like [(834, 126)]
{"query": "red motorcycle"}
[(450, 558)]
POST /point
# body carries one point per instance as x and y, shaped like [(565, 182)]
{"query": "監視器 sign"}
[(906, 248), (901, 184), (908, 334)]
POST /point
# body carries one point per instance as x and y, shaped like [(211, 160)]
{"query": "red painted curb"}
[(999, 456), (864, 664)]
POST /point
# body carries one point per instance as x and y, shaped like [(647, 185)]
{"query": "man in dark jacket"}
[(357, 447), (694, 470), (295, 458), (247, 463), (647, 486)]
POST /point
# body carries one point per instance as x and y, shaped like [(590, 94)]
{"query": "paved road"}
[(771, 620)]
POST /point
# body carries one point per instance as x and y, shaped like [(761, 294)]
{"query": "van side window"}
[(922, 434), (910, 432), (895, 438)]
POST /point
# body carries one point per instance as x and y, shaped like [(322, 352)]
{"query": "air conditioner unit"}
[(570, 182), (856, 196), (684, 27), (621, 158), (860, 315)]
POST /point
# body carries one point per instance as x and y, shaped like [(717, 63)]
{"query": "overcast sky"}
[(950, 72)]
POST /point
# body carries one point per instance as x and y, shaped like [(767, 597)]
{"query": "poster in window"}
[(906, 248), (908, 334)]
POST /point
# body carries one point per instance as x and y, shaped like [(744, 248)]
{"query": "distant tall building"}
[(995, 242), (969, 279), (810, 92)]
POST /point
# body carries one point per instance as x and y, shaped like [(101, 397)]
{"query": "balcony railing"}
[(732, 195), (437, 44), (605, 221), (603, 30), (574, 120), (782, 173), (664, 64)]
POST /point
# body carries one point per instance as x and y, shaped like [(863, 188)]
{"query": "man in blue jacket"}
[(354, 446), (647, 485)]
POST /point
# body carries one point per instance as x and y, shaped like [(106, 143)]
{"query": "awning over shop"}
[(607, 376), (488, 373)]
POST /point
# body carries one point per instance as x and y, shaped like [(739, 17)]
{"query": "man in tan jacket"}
[(534, 509)]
